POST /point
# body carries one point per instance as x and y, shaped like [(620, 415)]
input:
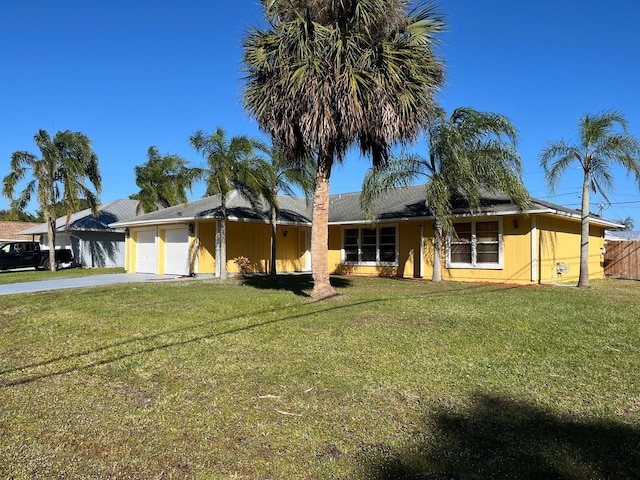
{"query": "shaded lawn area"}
[(31, 275), (393, 379)]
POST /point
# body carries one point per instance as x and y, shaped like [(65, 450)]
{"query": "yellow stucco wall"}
[(559, 242), (408, 235), (516, 255), (206, 247), (253, 240)]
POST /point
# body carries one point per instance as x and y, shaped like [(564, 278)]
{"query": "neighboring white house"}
[(93, 242)]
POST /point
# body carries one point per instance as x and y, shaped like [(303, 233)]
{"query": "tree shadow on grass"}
[(298, 284), (498, 438)]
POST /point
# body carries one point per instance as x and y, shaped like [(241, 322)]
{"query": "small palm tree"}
[(284, 174), (468, 152), (323, 76), (163, 181), (603, 139), (61, 177), (231, 164)]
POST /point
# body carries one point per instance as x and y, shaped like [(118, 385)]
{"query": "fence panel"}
[(622, 260)]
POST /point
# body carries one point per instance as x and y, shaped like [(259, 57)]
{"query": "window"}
[(370, 246), (476, 245)]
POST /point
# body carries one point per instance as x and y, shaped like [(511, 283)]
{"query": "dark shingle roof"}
[(292, 210), (398, 204)]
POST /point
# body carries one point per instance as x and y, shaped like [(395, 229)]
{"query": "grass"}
[(13, 276), (393, 379)]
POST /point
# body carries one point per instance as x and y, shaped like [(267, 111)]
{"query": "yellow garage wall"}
[(206, 247), (516, 255), (560, 243)]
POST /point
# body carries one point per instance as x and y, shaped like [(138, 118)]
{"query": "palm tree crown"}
[(231, 164), (325, 75), (61, 177), (603, 140), (163, 181), (469, 151)]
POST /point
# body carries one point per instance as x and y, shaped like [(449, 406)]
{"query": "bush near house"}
[(392, 379)]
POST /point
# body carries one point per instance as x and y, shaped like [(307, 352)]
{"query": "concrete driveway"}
[(91, 281)]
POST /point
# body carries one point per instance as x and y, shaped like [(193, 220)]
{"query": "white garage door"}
[(176, 251), (146, 251)]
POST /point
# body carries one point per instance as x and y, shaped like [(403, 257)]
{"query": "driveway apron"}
[(81, 282)]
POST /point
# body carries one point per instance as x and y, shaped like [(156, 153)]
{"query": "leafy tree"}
[(231, 164), (603, 140), (326, 75), (163, 181), (62, 176), (14, 216), (284, 174), (469, 151), (628, 223)]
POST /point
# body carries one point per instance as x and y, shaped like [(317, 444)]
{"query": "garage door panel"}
[(176, 251), (146, 251)]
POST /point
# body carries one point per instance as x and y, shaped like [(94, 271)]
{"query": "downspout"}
[(534, 250)]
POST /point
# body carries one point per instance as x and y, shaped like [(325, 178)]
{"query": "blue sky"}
[(131, 74)]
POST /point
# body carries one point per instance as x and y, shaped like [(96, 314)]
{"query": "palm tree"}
[(62, 176), (231, 164), (284, 174), (603, 139), (323, 76), (469, 152), (163, 181)]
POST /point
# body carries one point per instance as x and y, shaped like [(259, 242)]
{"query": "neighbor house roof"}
[(115, 211), (344, 208), (622, 235)]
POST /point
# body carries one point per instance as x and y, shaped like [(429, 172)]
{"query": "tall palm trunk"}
[(437, 252), (583, 279), (223, 238), (274, 217), (320, 231), (51, 241)]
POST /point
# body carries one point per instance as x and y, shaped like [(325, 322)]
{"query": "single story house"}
[(501, 243), (93, 242)]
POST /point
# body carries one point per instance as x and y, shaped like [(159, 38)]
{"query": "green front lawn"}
[(393, 379)]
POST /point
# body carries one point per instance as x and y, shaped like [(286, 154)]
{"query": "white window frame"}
[(377, 262), (474, 244)]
